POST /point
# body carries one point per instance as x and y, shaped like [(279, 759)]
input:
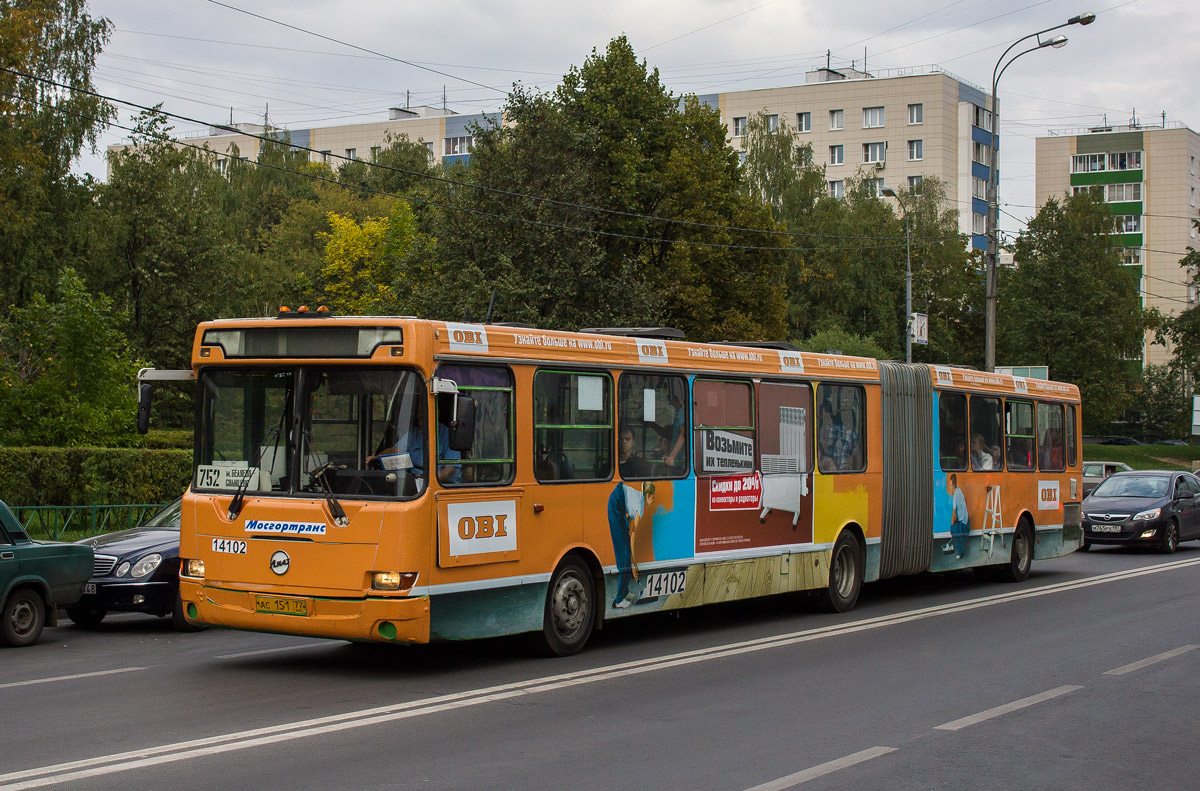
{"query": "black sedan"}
[(1156, 508), (135, 570)]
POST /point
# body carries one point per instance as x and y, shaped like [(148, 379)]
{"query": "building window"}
[(872, 117), (914, 183), (983, 119), (875, 186), (837, 189), (1117, 193), (457, 145), (1125, 160), (1193, 168), (1192, 203), (351, 153), (873, 152), (803, 122), (772, 123), (1088, 163), (837, 119), (428, 147), (1128, 223), (979, 188), (981, 154), (836, 156), (375, 153), (916, 114), (916, 150), (1131, 255), (739, 126), (978, 224), (325, 155)]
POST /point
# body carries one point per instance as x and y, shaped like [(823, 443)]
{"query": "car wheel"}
[(1170, 539), (87, 617), (179, 621), (845, 574), (1021, 559), (23, 618), (570, 608)]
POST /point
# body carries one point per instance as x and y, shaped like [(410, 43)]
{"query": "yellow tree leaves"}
[(364, 262)]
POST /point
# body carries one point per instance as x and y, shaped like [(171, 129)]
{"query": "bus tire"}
[(570, 608), (23, 617), (846, 568), (1021, 558)]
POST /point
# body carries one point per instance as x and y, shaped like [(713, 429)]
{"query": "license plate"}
[(1105, 528), (663, 584), (229, 546), (281, 606), (89, 587)]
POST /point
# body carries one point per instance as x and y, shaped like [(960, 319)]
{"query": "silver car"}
[(1096, 471)]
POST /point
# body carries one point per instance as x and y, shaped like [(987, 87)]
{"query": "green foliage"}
[(1144, 457), (1164, 407), (1184, 329), (84, 476), (1071, 305), (838, 341), (66, 371)]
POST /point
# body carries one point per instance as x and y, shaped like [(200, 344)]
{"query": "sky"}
[(204, 59)]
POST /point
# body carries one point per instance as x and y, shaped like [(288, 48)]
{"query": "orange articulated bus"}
[(402, 480)]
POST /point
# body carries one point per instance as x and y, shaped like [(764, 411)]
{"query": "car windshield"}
[(167, 518), (1134, 486)]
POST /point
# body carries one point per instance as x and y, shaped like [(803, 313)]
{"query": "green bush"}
[(87, 476)]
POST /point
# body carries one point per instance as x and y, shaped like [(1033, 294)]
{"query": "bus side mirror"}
[(462, 426), (143, 413)]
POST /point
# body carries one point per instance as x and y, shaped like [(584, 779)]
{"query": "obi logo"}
[(480, 528), (944, 375), (791, 363), (1048, 495), (650, 351), (467, 337)]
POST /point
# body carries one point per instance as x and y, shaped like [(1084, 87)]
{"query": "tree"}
[(42, 129), (364, 270), (610, 137), (67, 373), (842, 342), (1164, 408), (1071, 305)]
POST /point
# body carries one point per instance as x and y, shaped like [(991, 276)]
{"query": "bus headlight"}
[(146, 564), (393, 580), (192, 567)]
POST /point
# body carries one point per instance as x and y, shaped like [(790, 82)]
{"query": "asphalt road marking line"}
[(69, 678), (322, 643), (1120, 671), (820, 770), (1007, 708), (150, 756)]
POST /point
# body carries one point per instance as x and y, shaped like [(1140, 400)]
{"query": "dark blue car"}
[(1152, 508), (135, 570)]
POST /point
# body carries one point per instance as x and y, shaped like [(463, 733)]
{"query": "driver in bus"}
[(409, 453)]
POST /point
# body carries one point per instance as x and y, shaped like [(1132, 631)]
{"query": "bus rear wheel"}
[(1021, 560), (846, 567), (570, 608)]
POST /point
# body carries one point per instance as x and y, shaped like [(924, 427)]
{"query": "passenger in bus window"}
[(982, 457), (960, 520), (677, 433), (630, 464)]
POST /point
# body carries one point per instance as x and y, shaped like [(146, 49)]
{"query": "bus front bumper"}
[(388, 620)]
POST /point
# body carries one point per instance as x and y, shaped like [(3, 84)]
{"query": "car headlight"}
[(1150, 514), (123, 569), (146, 565)]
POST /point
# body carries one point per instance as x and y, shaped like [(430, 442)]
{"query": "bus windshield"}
[(351, 432)]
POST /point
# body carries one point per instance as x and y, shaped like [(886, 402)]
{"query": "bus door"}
[(785, 460)]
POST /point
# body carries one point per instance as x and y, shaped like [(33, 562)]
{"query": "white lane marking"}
[(150, 756), (1120, 671), (820, 770), (1007, 708), (325, 643), (69, 678)]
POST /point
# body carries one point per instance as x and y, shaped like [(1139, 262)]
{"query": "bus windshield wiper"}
[(335, 508), (239, 497)]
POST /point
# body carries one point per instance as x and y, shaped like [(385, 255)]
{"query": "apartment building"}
[(893, 129), (1149, 177)]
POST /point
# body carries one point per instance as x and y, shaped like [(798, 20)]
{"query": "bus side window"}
[(841, 428), (723, 421), (1072, 454), (1051, 451), (1019, 435), (952, 431), (986, 434), (490, 461), (572, 426), (652, 410)]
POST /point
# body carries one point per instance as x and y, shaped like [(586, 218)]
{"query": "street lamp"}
[(993, 215), (891, 193)]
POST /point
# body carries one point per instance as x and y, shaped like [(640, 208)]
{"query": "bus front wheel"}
[(846, 566), (570, 608)]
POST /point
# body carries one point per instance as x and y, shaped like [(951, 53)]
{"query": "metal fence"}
[(52, 522)]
